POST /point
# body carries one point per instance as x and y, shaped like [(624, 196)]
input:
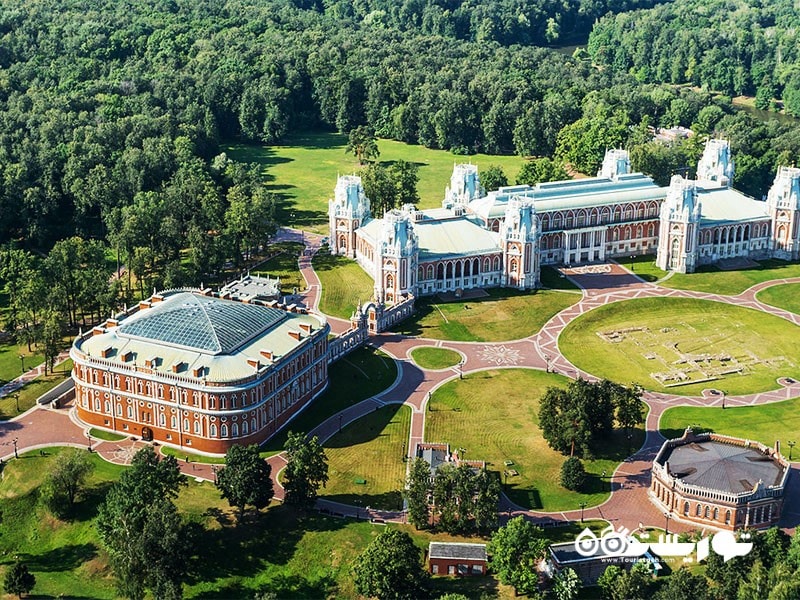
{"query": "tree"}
[(630, 409), (416, 493), (487, 497), (306, 469), (405, 178), (390, 568), (539, 170), (682, 585), (67, 475), (566, 585), (19, 580), (494, 177), (379, 188), (515, 550), (140, 527), (245, 478), (362, 143), (618, 584), (573, 475)]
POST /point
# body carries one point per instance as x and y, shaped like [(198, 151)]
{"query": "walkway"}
[(628, 505), (30, 375)]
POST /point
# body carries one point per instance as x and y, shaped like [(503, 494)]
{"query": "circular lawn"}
[(435, 359), (683, 345)]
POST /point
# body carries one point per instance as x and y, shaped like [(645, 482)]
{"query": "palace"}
[(501, 238), (200, 370), (719, 481)]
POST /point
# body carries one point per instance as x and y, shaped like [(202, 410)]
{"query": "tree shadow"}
[(260, 155), (63, 558), (260, 538), (471, 587), (524, 496), (389, 163), (90, 501), (365, 429), (392, 500)]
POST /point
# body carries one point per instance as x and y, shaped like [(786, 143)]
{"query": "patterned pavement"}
[(628, 505)]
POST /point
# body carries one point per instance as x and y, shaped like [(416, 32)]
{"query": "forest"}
[(113, 114)]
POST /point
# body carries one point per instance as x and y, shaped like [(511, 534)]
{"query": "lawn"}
[(108, 436), (366, 460), (554, 280), (765, 423), (505, 314), (711, 279), (644, 266), (31, 391), (284, 266), (463, 415), (344, 284), (10, 363), (193, 456), (356, 377), (435, 358), (785, 296), (696, 338), (303, 170), (294, 554)]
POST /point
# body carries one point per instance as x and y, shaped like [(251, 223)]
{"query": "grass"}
[(644, 267), (193, 456), (505, 314), (356, 377), (99, 434), (303, 170), (785, 296), (435, 358), (293, 554), (462, 415), (765, 423), (284, 266), (711, 279), (372, 449), (695, 327), (30, 392), (10, 363), (344, 284)]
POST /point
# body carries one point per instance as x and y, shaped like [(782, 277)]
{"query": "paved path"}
[(28, 376), (628, 505)]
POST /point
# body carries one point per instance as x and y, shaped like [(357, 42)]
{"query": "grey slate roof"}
[(723, 467), (456, 551)]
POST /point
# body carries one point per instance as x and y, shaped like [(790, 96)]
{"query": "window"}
[(235, 430), (212, 430), (477, 569), (197, 427), (451, 569), (223, 430), (435, 568)]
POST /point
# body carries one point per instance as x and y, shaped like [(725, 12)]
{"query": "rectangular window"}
[(125, 426), (435, 569), (451, 569), (477, 569)]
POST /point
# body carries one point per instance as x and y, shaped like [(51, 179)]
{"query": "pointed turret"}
[(716, 165), (615, 163)]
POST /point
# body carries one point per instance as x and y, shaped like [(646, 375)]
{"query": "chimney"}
[(198, 372), (254, 362), (144, 305), (306, 327), (296, 335), (267, 354), (106, 352)]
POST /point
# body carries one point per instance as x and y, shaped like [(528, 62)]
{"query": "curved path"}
[(628, 505)]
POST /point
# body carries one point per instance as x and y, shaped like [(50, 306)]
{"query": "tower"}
[(465, 186), (519, 235), (716, 163), (347, 211), (783, 202), (615, 163), (396, 255), (679, 229)]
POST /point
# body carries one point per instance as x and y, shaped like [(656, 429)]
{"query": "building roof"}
[(188, 333), (722, 204), (571, 194), (722, 466), (566, 553), (202, 323), (457, 551), (253, 287)]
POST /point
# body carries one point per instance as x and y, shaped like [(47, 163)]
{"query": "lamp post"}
[(16, 401), (15, 440), (340, 423), (723, 400), (633, 257), (791, 445), (214, 469), (582, 505), (22, 363), (404, 452), (668, 517), (547, 363), (461, 369)]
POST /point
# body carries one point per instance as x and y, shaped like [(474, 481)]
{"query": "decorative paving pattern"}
[(500, 355)]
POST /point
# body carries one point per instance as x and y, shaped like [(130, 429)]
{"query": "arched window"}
[(686, 508), (119, 410), (421, 273), (173, 422), (186, 424), (467, 268), (235, 430), (162, 420), (699, 510), (389, 281), (223, 430), (212, 430), (107, 407), (449, 270), (458, 269), (440, 272), (496, 264), (253, 423), (706, 512), (430, 271), (727, 517), (197, 427), (244, 428), (486, 265), (513, 266), (716, 513)]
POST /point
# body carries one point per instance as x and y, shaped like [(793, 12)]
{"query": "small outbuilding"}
[(447, 558)]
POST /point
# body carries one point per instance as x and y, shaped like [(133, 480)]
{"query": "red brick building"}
[(446, 558), (194, 370)]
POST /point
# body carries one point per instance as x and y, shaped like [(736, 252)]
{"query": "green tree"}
[(566, 585), (416, 492), (379, 188), (493, 177), (487, 498), (67, 475), (306, 469), (405, 177), (245, 478), (390, 568), (19, 580), (139, 525), (682, 585), (573, 475), (249, 219), (515, 550), (539, 170), (362, 143), (618, 584)]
